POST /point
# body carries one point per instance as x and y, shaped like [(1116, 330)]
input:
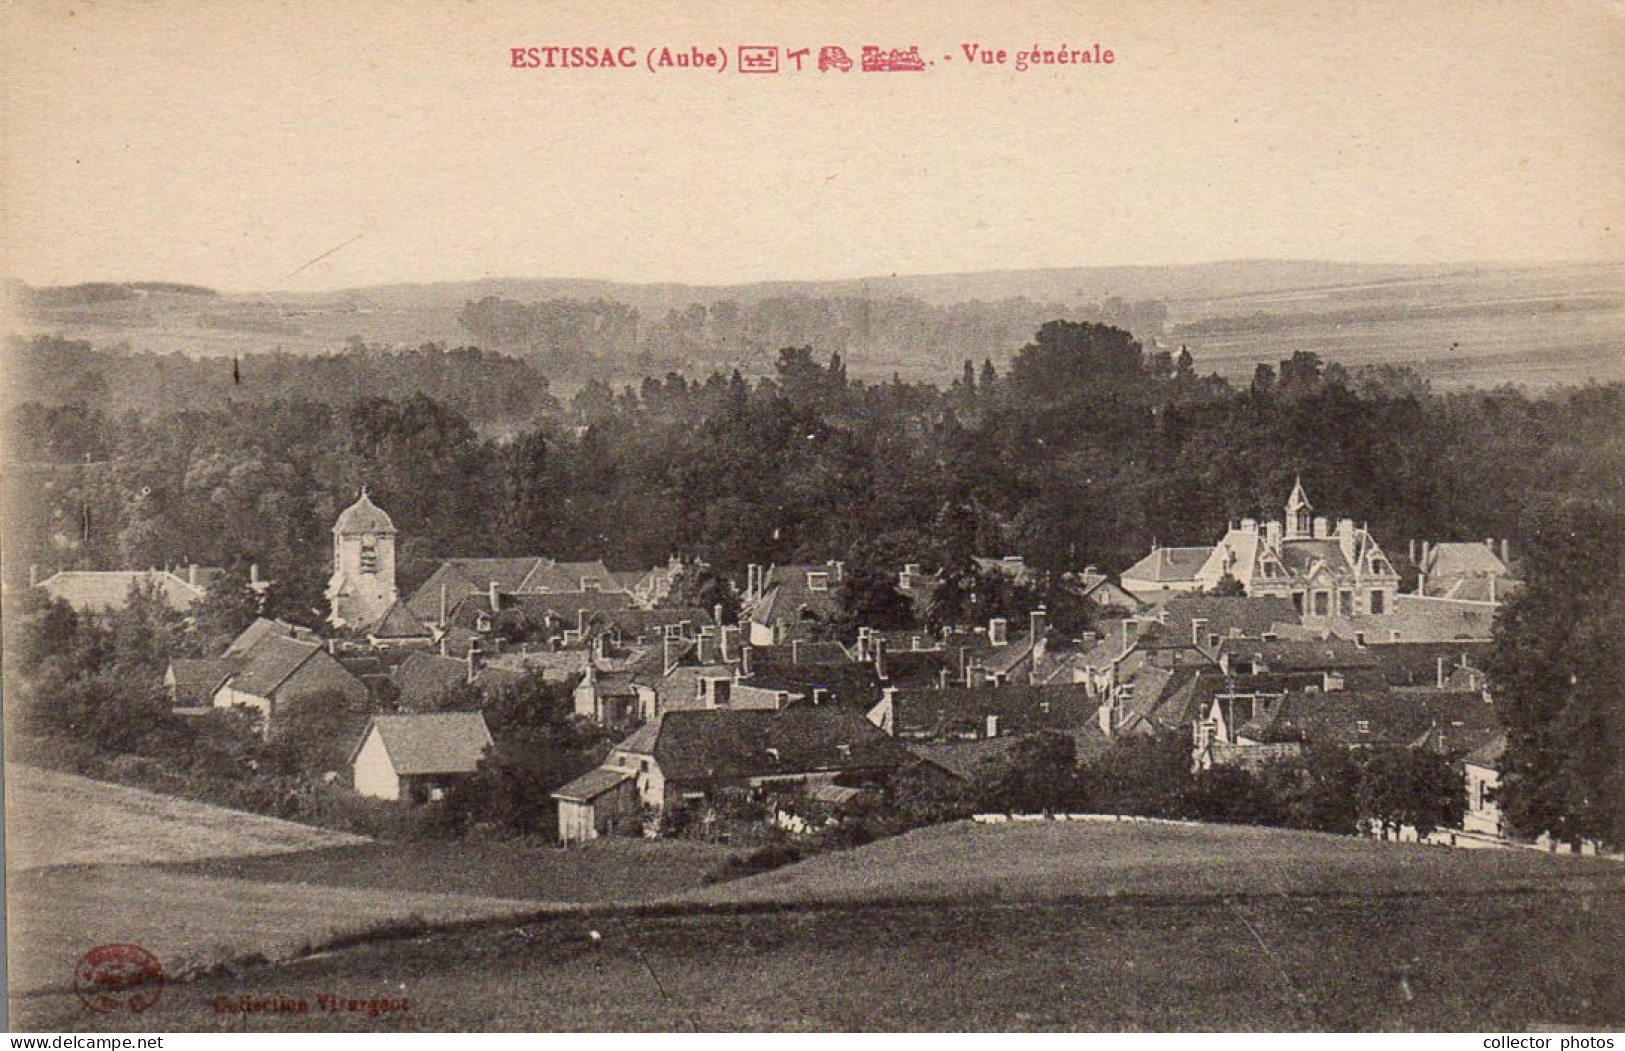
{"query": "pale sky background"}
[(228, 143)]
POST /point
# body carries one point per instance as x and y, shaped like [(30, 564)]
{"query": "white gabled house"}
[(418, 757)]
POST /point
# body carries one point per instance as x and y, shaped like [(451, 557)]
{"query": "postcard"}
[(820, 517)]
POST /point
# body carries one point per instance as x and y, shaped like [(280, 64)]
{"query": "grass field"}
[(605, 870), (1050, 861), (90, 862), (1035, 927), (59, 819)]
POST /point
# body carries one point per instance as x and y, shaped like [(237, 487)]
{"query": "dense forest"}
[(1084, 450)]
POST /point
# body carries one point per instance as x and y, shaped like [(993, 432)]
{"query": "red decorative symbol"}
[(758, 58), (833, 58), (895, 60)]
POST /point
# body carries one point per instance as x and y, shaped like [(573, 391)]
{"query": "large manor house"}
[(1325, 570)]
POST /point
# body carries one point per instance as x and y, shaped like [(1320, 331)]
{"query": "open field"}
[(1057, 861), (59, 819), (92, 862), (1240, 929), (606, 870), (188, 921), (1537, 326)]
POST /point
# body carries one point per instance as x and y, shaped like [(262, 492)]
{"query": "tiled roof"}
[(1169, 564), (954, 712), (1416, 618), (433, 743), (1299, 556), (197, 680), (1288, 655), (1463, 560), (788, 597), (1251, 616), (848, 682), (399, 622), (260, 628), (1417, 663), (101, 590), (716, 744), (592, 784), (1376, 717), (270, 662), (363, 516)]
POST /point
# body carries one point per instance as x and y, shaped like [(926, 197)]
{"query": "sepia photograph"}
[(813, 517)]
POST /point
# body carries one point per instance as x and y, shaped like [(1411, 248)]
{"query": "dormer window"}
[(773, 754), (1363, 725), (818, 581), (590, 584)]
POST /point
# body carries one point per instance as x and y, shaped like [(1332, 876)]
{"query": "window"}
[(1345, 603), (1323, 603), (369, 555), (1363, 725), (1297, 602), (1378, 601), (817, 581)]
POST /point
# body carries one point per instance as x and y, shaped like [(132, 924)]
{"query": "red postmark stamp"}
[(118, 977)]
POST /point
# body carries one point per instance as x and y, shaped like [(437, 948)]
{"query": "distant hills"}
[(1459, 324)]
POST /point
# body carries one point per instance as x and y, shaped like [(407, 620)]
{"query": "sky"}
[(313, 145)]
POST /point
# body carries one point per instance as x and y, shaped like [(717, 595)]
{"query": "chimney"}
[(1323, 528), (744, 660), (878, 645), (671, 653), (1131, 632), (1440, 676), (992, 726), (1506, 551), (1198, 628), (1413, 551), (942, 679), (1345, 534), (1037, 626), (1272, 534), (494, 597), (443, 645), (964, 664), (750, 582), (730, 644), (473, 662), (795, 651), (998, 631), (191, 574), (253, 574), (863, 644), (716, 613)]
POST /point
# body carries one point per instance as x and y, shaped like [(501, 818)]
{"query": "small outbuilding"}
[(418, 757)]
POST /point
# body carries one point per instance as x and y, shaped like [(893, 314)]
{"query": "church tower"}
[(362, 588), (1299, 525)]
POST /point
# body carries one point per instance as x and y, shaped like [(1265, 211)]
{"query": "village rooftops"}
[(431, 743), (1167, 565), (989, 711), (1377, 717), (193, 682), (592, 784), (270, 662), (719, 745), (98, 591), (1196, 617)]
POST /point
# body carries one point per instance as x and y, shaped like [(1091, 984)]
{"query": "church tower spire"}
[(362, 588)]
